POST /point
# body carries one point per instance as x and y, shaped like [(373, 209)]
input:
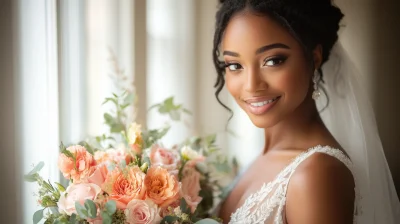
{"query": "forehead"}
[(252, 31)]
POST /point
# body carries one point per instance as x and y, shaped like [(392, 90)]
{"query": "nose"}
[(255, 81)]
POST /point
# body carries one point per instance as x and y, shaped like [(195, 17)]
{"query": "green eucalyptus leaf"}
[(30, 178), (117, 128), (62, 147), (107, 219), (54, 210), (82, 212), (175, 115), (211, 139), (91, 208), (72, 219), (163, 109), (207, 221), (108, 99), (111, 207), (60, 187), (68, 153), (37, 216), (37, 168), (169, 102), (129, 99), (184, 206), (108, 118)]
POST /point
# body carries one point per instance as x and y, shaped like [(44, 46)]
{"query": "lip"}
[(263, 109)]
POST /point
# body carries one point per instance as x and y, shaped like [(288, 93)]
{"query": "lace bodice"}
[(267, 204)]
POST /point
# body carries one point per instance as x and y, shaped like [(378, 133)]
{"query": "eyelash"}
[(281, 60)]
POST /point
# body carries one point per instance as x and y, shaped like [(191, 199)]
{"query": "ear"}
[(317, 56)]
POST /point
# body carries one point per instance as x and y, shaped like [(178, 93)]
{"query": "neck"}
[(291, 132)]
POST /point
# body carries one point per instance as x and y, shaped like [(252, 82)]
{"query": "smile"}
[(261, 107), (260, 104)]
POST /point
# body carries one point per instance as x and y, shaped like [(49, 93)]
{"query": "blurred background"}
[(57, 59)]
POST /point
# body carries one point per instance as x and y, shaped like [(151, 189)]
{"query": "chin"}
[(265, 121)]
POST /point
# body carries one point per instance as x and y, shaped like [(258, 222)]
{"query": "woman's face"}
[(266, 69)]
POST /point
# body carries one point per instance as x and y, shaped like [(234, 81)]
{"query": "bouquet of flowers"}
[(127, 176)]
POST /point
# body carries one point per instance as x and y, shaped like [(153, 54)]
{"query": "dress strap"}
[(338, 154)]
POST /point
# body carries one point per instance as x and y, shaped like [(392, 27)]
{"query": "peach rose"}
[(142, 212), (162, 187), (79, 170), (125, 185), (77, 192), (99, 175), (191, 187), (166, 158)]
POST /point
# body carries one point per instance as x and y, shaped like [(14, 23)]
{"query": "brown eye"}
[(274, 61), (233, 66)]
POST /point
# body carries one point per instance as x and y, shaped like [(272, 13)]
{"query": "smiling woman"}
[(274, 55)]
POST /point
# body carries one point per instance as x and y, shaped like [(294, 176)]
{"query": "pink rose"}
[(77, 192), (191, 187), (112, 156), (99, 175), (142, 212), (167, 159), (79, 170)]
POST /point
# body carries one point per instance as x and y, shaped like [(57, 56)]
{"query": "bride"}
[(280, 61)]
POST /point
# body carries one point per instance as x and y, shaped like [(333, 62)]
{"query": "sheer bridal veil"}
[(350, 118)]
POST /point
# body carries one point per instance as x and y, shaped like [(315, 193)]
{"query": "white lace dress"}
[(267, 205)]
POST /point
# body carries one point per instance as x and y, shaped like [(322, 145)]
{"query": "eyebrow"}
[(259, 50)]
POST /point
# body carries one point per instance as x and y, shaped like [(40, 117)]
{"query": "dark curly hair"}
[(310, 22)]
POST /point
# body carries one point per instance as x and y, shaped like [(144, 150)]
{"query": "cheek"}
[(294, 85), (234, 85)]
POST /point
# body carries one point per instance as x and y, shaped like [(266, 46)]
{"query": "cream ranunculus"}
[(190, 154), (135, 139)]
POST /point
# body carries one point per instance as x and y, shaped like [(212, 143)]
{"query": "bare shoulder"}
[(321, 190)]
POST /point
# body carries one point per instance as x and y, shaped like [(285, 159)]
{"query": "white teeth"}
[(260, 104)]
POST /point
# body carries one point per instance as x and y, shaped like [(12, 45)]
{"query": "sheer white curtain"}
[(37, 120), (171, 61), (63, 67), (109, 29)]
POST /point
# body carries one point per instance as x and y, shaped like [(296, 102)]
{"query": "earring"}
[(316, 94)]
